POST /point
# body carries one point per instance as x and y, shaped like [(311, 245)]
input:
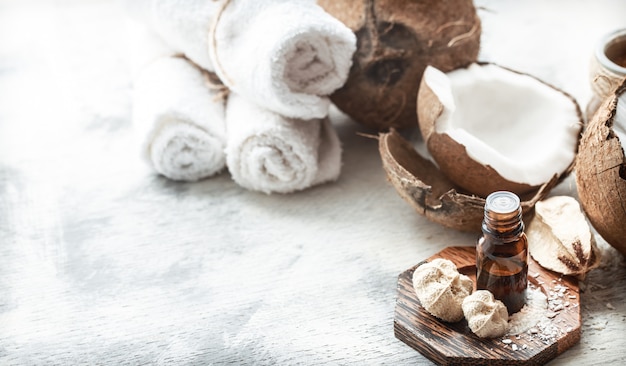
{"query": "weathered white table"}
[(102, 262)]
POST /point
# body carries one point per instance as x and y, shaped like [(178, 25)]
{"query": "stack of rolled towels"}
[(278, 59)]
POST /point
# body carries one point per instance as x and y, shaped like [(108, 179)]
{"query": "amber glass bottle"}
[(502, 251)]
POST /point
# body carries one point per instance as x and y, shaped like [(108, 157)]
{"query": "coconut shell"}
[(396, 40), (419, 182), (601, 174), (452, 156)]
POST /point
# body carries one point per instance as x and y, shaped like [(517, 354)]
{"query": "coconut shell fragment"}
[(601, 173), (420, 183), (560, 239), (396, 40)]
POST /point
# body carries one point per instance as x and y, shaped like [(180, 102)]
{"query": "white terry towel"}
[(179, 120), (270, 153), (286, 55)]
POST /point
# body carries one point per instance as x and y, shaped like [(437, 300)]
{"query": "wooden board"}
[(455, 344)]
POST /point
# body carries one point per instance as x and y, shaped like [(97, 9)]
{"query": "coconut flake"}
[(534, 312)]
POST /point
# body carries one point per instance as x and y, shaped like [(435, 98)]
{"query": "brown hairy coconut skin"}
[(601, 174), (396, 40), (452, 157), (418, 181)]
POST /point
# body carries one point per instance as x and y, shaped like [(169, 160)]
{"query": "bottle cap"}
[(502, 202)]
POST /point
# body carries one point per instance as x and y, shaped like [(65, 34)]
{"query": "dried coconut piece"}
[(440, 288), (486, 316), (560, 239)]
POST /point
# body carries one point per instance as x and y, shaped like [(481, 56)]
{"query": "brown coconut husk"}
[(452, 157), (396, 40), (601, 174), (419, 182)]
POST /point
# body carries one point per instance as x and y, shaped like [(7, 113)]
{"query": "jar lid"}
[(502, 202)]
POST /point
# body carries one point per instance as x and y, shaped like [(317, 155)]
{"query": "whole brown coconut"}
[(601, 173), (418, 181), (396, 40)]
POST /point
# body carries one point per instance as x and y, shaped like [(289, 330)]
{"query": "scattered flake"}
[(524, 346), (572, 296), (599, 326), (537, 274), (533, 312), (548, 332), (610, 306), (514, 347), (507, 341)]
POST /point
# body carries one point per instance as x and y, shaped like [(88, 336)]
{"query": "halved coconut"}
[(601, 170), (419, 182), (396, 40), (490, 128)]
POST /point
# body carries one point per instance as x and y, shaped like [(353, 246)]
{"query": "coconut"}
[(420, 183), (560, 239), (601, 169), (396, 40), (490, 128)]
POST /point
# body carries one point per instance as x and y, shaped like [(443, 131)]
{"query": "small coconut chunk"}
[(486, 316), (490, 128), (440, 288), (560, 239)]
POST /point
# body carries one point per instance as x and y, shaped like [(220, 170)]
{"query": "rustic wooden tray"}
[(455, 344)]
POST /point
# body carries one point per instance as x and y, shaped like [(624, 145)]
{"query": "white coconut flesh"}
[(524, 129)]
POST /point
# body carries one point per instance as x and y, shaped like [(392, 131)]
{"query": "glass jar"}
[(607, 68)]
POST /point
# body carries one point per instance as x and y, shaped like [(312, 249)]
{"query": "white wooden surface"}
[(102, 262)]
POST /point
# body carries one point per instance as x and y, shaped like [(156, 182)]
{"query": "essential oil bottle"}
[(502, 251)]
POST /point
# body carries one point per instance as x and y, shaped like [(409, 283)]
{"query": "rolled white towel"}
[(179, 120), (286, 55), (270, 153)]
